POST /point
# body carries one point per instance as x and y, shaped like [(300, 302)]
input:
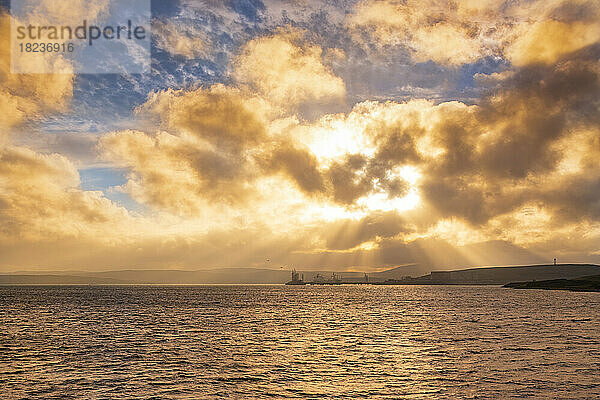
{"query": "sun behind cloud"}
[(230, 149)]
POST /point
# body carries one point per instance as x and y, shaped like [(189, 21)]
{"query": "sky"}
[(347, 135)]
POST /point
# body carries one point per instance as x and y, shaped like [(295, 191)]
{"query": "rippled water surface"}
[(414, 342)]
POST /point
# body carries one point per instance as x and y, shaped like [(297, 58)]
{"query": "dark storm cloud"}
[(299, 164), (347, 187), (575, 199), (356, 175), (539, 106), (480, 177), (343, 181), (574, 12)]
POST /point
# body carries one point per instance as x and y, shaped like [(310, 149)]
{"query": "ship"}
[(296, 279)]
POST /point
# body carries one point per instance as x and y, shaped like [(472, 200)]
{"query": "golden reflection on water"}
[(298, 342)]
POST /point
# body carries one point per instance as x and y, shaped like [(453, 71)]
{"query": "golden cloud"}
[(205, 150), (29, 95), (40, 198), (287, 71), (545, 42), (445, 44), (217, 143), (461, 32), (220, 116), (224, 165), (224, 157), (432, 30), (176, 174)]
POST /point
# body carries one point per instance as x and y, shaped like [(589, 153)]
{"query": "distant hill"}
[(216, 276), (56, 280), (213, 276), (398, 272), (435, 255), (487, 275), (503, 275)]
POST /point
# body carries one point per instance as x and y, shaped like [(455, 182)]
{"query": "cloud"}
[(220, 153), (50, 12), (347, 184), (349, 233), (523, 142), (462, 32), (78, 147), (445, 44), (231, 173), (432, 30), (40, 194), (507, 152), (29, 96), (204, 150), (545, 42), (176, 38), (299, 164), (40, 198), (287, 70), (222, 116), (474, 159), (176, 174), (215, 143)]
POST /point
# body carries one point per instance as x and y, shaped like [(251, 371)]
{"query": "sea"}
[(298, 342)]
